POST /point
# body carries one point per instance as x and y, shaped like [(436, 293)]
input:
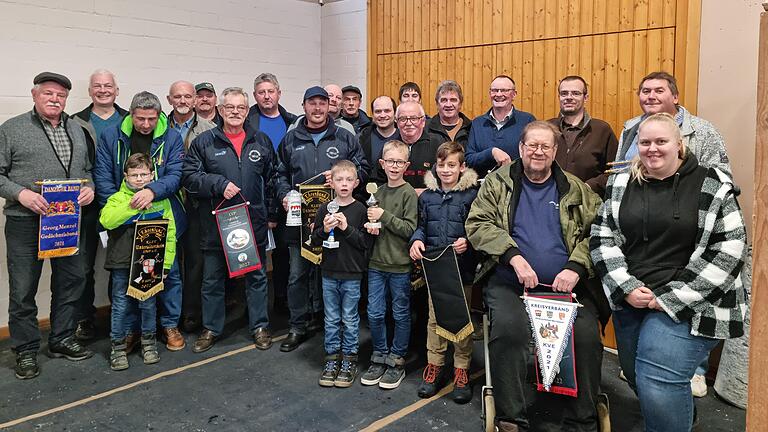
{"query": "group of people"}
[(646, 227)]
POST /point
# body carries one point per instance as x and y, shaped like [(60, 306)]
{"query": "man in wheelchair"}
[(532, 220)]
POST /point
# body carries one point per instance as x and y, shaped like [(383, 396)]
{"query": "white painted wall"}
[(148, 45), (345, 45), (728, 84)]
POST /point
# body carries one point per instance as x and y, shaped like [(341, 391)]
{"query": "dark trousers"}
[(509, 355), (304, 295), (67, 285), (191, 256), (256, 293), (89, 244)]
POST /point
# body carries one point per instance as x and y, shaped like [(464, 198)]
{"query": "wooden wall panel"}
[(612, 43)]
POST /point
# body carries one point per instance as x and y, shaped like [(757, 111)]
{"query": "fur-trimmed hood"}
[(466, 180)]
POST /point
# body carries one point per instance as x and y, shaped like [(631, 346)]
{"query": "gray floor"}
[(260, 391)]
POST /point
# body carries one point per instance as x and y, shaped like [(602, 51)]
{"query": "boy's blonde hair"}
[(344, 165), (395, 145)]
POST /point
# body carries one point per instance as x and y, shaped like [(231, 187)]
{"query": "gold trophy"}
[(371, 188)]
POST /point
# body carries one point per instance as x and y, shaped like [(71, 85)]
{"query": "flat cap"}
[(205, 86), (315, 91), (351, 88), (52, 76)]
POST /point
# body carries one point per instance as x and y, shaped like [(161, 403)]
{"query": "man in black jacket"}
[(350, 110), (101, 114), (227, 165), (382, 130), (450, 124), (307, 154)]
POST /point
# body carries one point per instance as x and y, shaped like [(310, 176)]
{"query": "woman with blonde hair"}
[(669, 244)]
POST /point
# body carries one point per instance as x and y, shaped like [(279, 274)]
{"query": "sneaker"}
[(85, 330), (347, 371), (149, 348), (330, 371), (174, 339), (431, 381), (699, 386), (26, 365), (70, 349), (462, 389), (118, 356), (394, 374), (375, 370)]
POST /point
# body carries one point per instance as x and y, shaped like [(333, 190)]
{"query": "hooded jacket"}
[(84, 119), (442, 214), (209, 167), (462, 135), (118, 217), (490, 220), (166, 152), (708, 291)]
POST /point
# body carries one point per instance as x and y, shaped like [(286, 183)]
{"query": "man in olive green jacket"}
[(532, 221)]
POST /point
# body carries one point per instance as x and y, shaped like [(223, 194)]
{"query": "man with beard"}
[(450, 124), (103, 113), (205, 105), (183, 118), (495, 135), (587, 144), (351, 111)]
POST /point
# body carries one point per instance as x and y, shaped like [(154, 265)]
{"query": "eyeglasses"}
[(139, 176), (230, 108), (534, 147), (575, 93), (498, 90), (406, 120), (395, 163)]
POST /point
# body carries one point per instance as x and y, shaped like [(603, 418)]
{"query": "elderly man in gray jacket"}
[(43, 143)]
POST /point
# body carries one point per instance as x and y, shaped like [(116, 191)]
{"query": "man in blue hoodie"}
[(146, 130)]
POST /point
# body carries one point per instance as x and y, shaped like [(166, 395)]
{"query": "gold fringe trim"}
[(144, 295), (311, 257), (57, 253), (458, 337)]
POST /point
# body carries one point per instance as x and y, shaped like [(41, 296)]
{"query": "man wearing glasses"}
[(146, 130), (495, 135), (518, 221), (422, 146), (229, 165), (587, 144)]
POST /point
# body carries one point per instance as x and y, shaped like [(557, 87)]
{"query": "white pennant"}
[(552, 322)]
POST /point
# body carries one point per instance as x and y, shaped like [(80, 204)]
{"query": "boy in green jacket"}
[(119, 216)]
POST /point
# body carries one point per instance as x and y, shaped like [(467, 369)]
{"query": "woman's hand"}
[(640, 297)]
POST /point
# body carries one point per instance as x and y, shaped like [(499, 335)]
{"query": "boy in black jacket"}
[(343, 266)]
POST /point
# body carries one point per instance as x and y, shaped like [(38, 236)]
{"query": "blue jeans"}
[(214, 275), (124, 308), (659, 357), (168, 301), (396, 286), (341, 298), (301, 289)]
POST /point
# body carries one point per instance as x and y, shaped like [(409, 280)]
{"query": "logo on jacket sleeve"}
[(254, 156), (332, 152)]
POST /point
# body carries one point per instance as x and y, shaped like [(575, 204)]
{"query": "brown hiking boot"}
[(174, 340)]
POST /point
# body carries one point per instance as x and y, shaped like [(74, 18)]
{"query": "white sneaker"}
[(699, 386)]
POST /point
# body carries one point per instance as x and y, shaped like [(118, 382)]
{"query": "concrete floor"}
[(240, 388)]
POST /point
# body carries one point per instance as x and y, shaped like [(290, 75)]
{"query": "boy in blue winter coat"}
[(443, 210), (118, 216)]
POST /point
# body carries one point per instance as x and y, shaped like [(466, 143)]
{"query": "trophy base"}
[(330, 244), (373, 224)]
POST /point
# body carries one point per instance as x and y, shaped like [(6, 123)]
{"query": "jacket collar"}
[(467, 180), (514, 177), (434, 125), (86, 113)]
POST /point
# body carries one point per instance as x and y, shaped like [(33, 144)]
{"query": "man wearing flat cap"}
[(350, 108), (43, 143), (306, 154)]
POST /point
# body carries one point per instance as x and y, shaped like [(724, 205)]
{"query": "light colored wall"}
[(148, 45), (728, 83), (345, 44)]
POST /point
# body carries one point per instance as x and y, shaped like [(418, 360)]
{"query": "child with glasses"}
[(389, 269), (118, 217)]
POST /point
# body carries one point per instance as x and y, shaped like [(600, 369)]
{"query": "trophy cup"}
[(331, 243), (371, 188)]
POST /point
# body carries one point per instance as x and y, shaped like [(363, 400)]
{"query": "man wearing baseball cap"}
[(205, 105), (45, 144), (308, 151), (350, 109)]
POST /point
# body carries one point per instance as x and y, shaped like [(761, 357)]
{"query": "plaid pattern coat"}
[(709, 293)]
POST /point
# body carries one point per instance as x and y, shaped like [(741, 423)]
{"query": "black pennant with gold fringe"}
[(443, 278)]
